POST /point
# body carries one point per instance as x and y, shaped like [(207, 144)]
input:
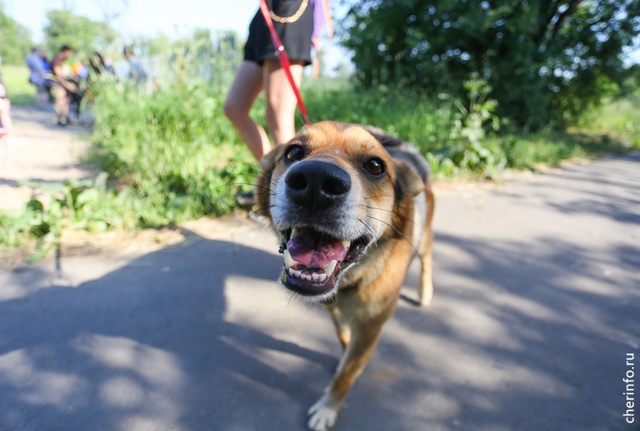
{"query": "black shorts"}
[(295, 36)]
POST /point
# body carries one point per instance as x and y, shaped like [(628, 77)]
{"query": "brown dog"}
[(352, 206)]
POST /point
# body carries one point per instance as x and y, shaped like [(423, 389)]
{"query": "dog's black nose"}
[(316, 184)]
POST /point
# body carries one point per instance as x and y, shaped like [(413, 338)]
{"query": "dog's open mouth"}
[(313, 260)]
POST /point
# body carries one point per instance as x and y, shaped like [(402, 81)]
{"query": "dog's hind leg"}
[(425, 290)]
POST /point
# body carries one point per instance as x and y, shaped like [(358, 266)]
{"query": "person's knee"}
[(232, 111)]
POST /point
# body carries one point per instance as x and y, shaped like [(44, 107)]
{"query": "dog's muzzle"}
[(319, 231)]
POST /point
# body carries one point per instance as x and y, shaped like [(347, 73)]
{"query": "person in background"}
[(136, 71), (7, 136), (100, 66), (108, 66), (260, 70), (38, 76), (63, 88), (48, 83), (80, 77)]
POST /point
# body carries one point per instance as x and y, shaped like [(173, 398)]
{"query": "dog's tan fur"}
[(368, 291)]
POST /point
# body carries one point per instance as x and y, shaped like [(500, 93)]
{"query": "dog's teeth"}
[(294, 232), (328, 270), (307, 277), (288, 260), (319, 277), (346, 244)]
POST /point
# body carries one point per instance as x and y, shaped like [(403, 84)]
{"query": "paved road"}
[(537, 306)]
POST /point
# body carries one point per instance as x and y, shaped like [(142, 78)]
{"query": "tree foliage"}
[(81, 33), (546, 60), (15, 39)]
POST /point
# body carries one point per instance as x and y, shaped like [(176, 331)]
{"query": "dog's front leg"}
[(364, 338), (342, 326)]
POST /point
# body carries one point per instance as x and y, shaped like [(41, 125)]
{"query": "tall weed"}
[(173, 149)]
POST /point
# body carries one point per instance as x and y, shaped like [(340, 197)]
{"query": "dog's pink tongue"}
[(315, 251)]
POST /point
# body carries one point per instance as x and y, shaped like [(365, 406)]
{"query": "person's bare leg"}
[(244, 91), (62, 102), (4, 134), (8, 136), (281, 100), (5, 117)]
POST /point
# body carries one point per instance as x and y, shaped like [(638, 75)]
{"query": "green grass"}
[(171, 155), (619, 119), (16, 79), (172, 150)]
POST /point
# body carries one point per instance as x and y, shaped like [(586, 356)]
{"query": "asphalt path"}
[(535, 318)]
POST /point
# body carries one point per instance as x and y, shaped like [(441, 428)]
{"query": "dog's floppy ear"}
[(407, 185), (263, 183), (408, 182)]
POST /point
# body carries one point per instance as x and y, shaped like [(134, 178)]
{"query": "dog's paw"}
[(322, 415)]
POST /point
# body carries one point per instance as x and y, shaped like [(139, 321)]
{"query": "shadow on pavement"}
[(144, 347)]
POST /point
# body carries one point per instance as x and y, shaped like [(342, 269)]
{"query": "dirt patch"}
[(47, 155), (121, 244)]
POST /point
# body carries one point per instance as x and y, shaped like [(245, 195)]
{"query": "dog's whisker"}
[(378, 196)]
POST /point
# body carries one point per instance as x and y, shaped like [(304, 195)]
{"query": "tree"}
[(15, 39), (546, 60), (81, 33)]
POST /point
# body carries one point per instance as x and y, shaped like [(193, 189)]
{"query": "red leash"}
[(284, 59)]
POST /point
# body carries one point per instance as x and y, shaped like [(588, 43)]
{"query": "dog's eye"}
[(294, 153), (374, 166)]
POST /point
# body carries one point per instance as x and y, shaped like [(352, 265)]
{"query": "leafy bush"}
[(172, 150), (548, 62), (469, 148), (86, 205)]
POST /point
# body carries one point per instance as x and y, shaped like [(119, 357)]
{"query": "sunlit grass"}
[(620, 119), (16, 79)]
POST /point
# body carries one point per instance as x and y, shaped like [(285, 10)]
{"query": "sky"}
[(143, 17)]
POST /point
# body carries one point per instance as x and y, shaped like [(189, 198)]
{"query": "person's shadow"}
[(154, 345)]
